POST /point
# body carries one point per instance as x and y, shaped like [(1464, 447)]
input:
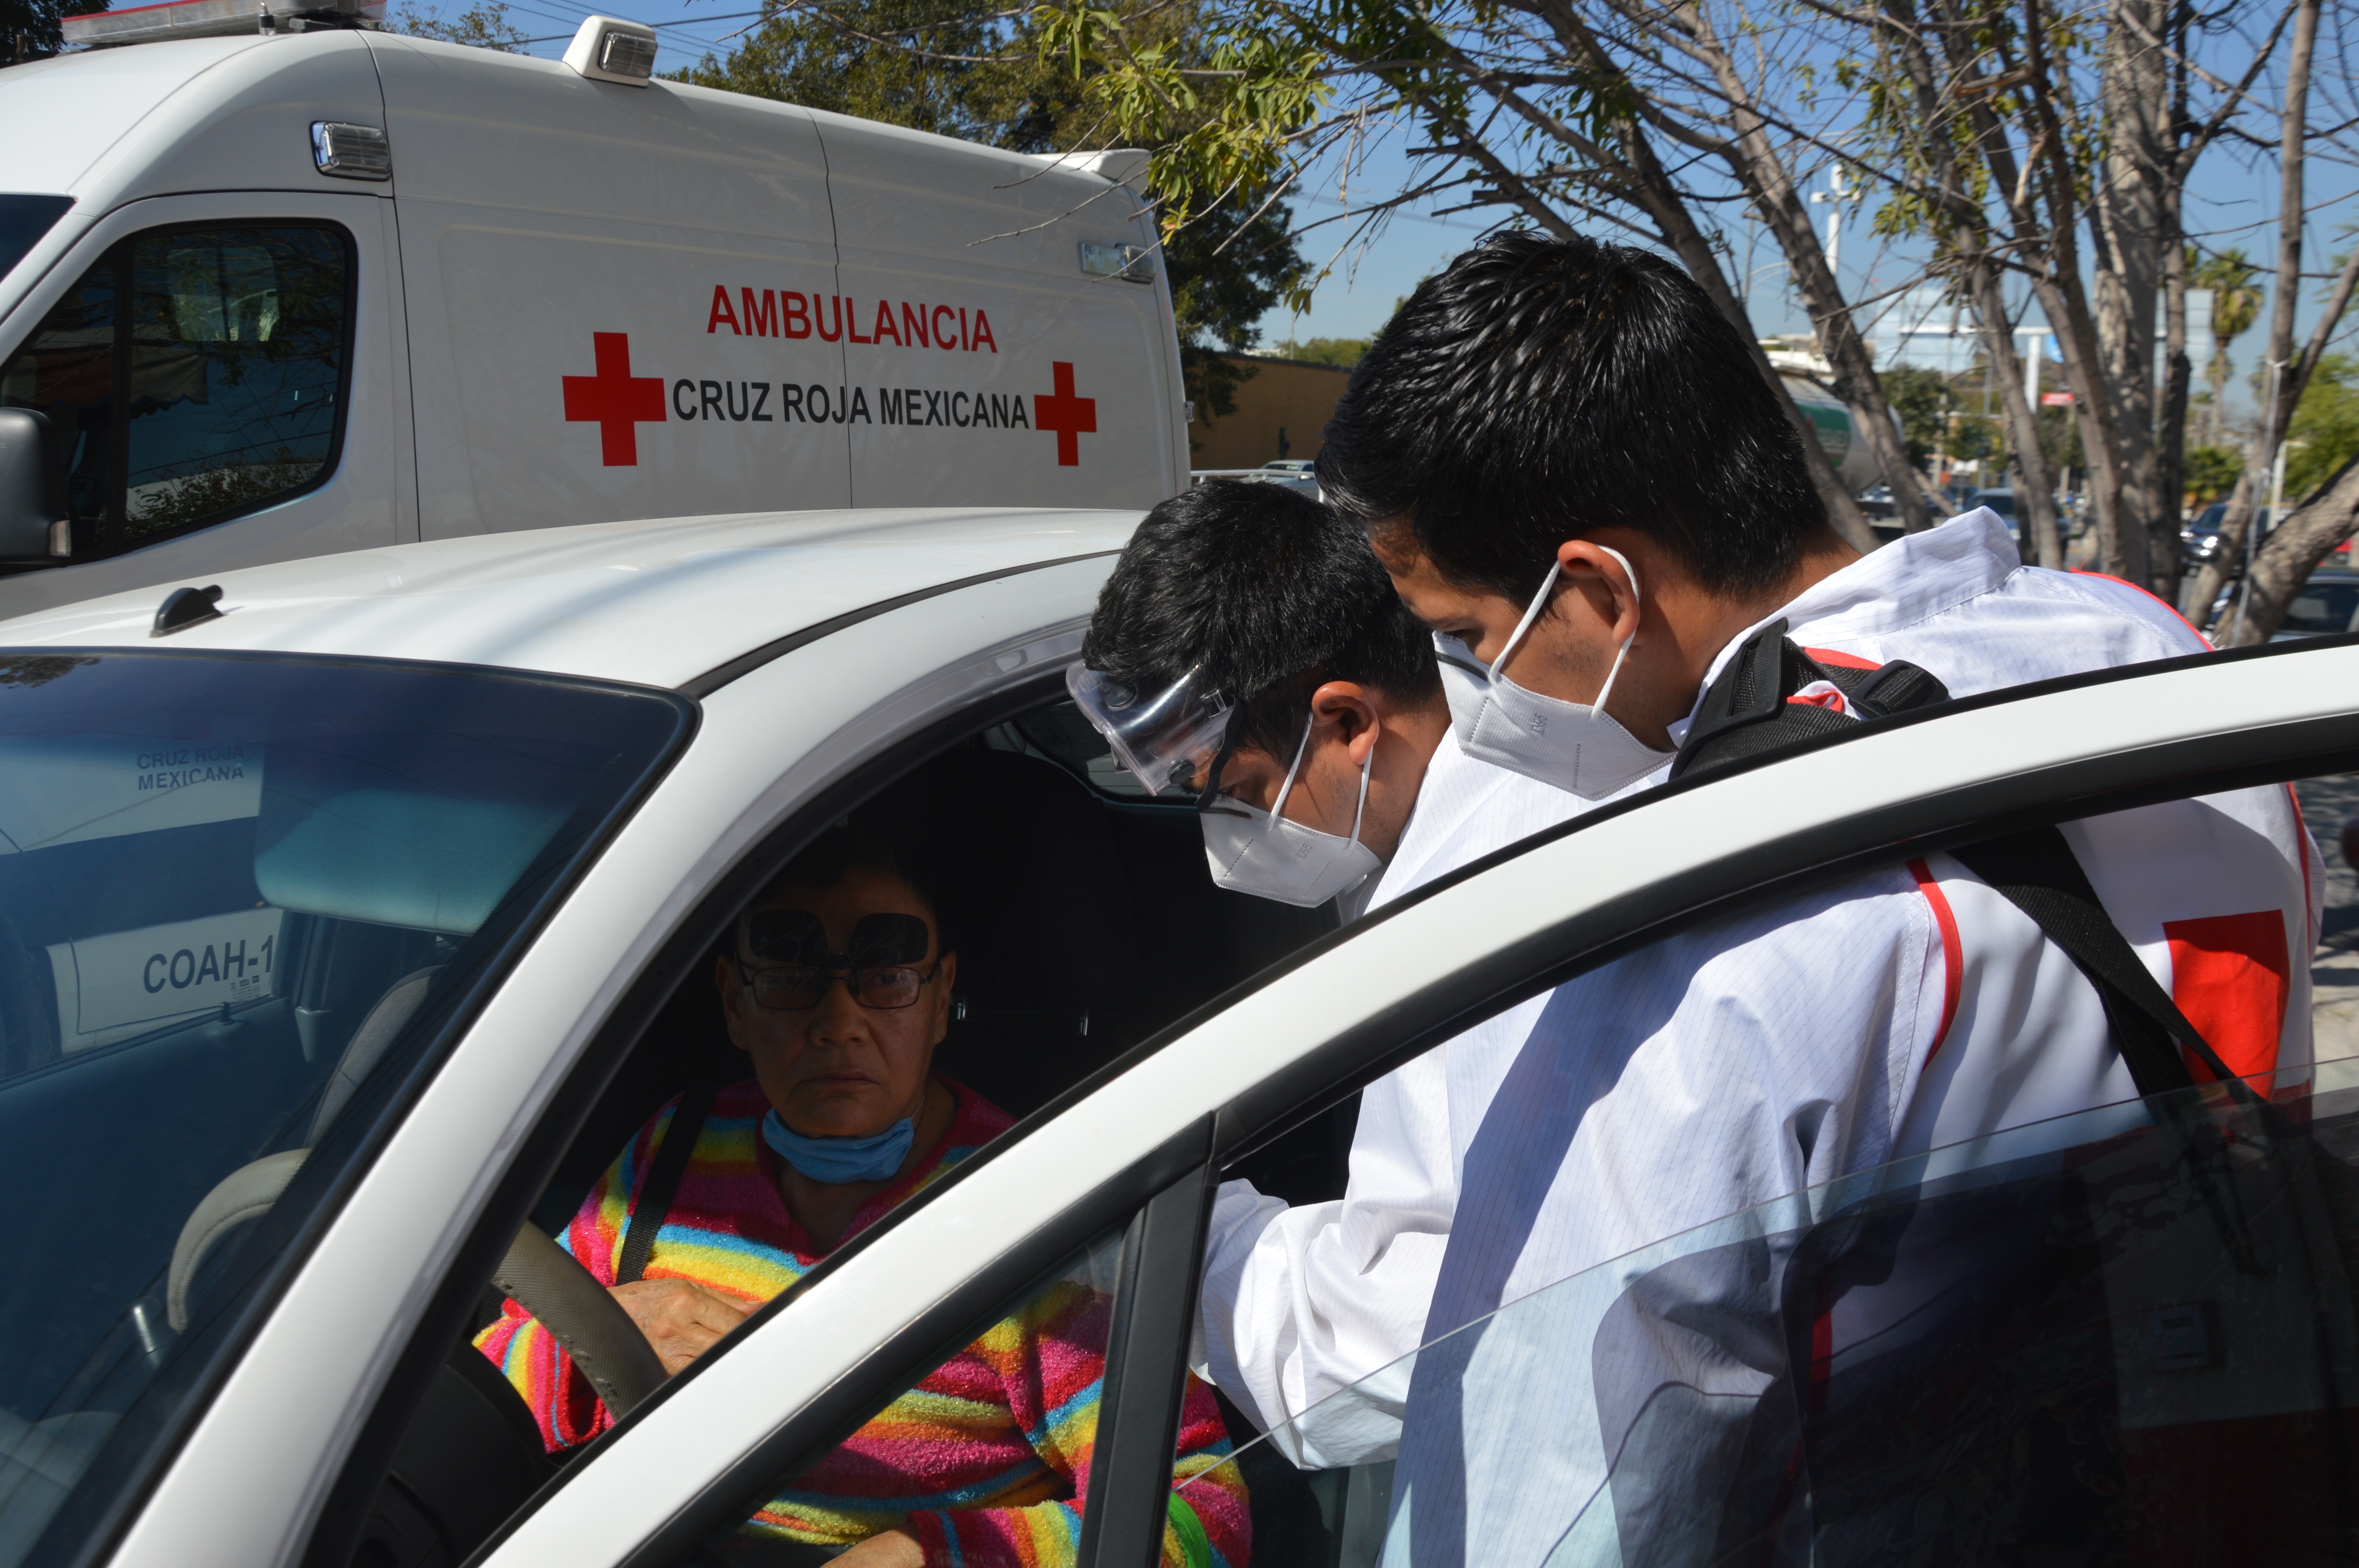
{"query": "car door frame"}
[(1167, 1115)]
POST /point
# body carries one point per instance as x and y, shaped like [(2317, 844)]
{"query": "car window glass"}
[(65, 371), (193, 375), (236, 358), (235, 895), (2322, 609), (23, 221), (985, 1457), (2092, 1336), (1975, 1353)]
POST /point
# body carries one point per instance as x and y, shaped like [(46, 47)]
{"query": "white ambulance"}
[(318, 287)]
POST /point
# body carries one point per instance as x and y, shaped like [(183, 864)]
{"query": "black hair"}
[(1270, 594), (1541, 387), (858, 843)]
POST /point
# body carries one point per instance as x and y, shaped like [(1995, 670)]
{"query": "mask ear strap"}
[(1623, 651), (1540, 602), (1278, 807), (1366, 768)]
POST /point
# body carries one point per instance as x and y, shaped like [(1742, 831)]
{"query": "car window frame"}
[(2181, 756), (1005, 675), (117, 252)]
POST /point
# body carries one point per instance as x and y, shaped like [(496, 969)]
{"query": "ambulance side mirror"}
[(34, 530)]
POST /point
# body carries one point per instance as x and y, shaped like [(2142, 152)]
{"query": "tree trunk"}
[(1762, 173), (2171, 445), (2129, 230), (2236, 521), (1651, 189), (2034, 496), (2292, 552)]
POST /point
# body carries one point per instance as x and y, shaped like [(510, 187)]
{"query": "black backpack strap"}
[(654, 1204), (1746, 713), (2038, 873)]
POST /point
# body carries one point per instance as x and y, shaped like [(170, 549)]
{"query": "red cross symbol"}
[(1071, 417), (615, 400)]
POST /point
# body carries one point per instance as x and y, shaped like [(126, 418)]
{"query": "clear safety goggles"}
[(1163, 738)]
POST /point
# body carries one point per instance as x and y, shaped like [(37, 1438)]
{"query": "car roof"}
[(658, 601)]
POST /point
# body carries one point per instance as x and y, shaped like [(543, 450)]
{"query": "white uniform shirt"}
[(1773, 1050), (1300, 1302), (1908, 1010)]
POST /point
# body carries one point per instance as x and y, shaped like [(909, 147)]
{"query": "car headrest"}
[(1036, 902)]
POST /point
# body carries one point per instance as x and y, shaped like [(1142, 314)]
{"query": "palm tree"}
[(2235, 306)]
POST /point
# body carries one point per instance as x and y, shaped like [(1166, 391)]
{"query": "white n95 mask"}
[(1576, 746), (1263, 853)]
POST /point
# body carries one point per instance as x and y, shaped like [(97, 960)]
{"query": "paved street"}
[(2334, 967)]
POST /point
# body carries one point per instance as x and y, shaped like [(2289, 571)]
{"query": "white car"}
[(415, 859)]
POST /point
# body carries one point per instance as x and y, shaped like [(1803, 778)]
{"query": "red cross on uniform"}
[(1071, 417), (615, 400)]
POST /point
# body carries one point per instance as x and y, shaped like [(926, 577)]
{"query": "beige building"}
[(1282, 409)]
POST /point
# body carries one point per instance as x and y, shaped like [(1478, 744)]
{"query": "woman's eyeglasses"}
[(880, 970)]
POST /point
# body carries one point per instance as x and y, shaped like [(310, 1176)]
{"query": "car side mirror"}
[(34, 528)]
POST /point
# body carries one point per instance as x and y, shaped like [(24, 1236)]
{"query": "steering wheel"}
[(542, 1277)]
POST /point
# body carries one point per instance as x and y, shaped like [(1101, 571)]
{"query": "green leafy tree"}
[(2325, 434), (1918, 397), (2235, 306), (28, 28), (484, 25), (2212, 472), (929, 65), (1343, 352), (942, 65)]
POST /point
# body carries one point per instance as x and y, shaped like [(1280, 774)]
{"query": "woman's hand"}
[(887, 1549), (680, 1320)]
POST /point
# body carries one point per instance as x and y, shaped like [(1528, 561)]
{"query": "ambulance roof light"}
[(217, 19), (609, 48)]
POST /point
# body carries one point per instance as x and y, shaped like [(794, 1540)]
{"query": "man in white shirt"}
[(1633, 473), (1257, 599)]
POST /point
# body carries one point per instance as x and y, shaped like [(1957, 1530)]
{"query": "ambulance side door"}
[(996, 372), (611, 294), (224, 367)]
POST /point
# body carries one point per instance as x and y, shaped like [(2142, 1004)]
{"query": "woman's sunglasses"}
[(793, 968)]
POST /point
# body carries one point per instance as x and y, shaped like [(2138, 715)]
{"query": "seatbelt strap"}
[(654, 1204), (1746, 713)]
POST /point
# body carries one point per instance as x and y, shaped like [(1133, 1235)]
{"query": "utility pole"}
[(1835, 196)]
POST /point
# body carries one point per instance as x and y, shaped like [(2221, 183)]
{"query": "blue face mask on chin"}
[(875, 1157)]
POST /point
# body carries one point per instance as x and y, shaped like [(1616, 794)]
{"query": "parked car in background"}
[(2327, 606)]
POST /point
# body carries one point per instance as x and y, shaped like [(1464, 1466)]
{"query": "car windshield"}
[(2076, 1340), (240, 899)]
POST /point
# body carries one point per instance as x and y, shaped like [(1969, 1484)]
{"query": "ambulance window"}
[(195, 375)]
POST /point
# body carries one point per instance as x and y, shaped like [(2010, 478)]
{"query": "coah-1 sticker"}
[(126, 982)]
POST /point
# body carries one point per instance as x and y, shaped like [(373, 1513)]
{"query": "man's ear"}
[(1352, 705), (1607, 583)]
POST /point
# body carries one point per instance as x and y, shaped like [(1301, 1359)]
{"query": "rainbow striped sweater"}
[(984, 1461)]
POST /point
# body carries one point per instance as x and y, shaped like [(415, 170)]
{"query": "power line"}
[(682, 22)]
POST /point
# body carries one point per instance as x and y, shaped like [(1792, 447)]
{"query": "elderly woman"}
[(839, 989)]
